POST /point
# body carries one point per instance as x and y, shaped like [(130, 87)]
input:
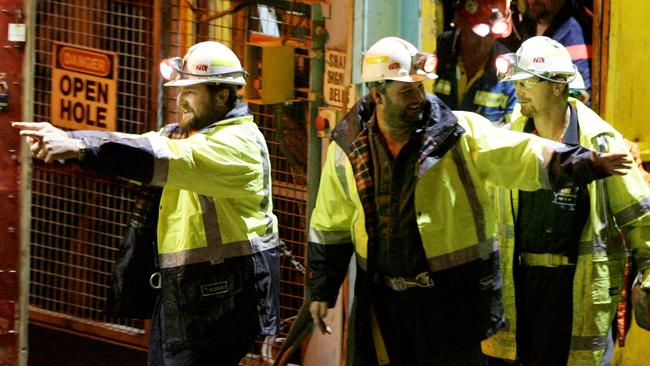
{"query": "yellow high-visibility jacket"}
[(216, 209), (617, 202)]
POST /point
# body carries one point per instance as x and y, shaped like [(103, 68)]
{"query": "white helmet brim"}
[(187, 82), (413, 78)]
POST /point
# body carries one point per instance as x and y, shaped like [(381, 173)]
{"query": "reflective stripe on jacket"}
[(617, 201)]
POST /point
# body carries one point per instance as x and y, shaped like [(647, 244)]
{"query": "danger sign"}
[(84, 88)]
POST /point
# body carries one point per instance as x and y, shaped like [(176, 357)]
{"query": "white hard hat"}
[(205, 62), (540, 57), (393, 58)]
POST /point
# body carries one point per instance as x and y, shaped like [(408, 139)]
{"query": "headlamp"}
[(498, 24), (424, 62), (171, 68), (505, 65)]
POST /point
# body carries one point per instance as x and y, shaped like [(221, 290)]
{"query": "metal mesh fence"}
[(77, 218)]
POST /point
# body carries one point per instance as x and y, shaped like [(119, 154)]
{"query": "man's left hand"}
[(47, 142), (611, 163)]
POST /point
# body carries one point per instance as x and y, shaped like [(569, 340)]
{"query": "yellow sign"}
[(335, 89), (84, 88)]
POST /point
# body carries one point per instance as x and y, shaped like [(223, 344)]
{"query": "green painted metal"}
[(317, 64), (375, 19)]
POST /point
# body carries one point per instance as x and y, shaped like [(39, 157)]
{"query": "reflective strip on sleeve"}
[(481, 250), (218, 252), (490, 100), (443, 87), (161, 154), (329, 237), (633, 212), (266, 202), (588, 343), (472, 195)]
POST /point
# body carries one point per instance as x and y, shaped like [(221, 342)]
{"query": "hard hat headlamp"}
[(424, 62), (486, 18), (172, 69), (505, 65), (498, 24)]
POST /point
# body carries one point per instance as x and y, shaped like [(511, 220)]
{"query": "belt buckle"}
[(423, 280), (397, 283)]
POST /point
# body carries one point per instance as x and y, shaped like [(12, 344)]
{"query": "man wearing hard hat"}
[(562, 251), (217, 234), (404, 189), (466, 77)]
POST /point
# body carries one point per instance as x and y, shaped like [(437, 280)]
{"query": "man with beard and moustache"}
[(216, 232), (404, 187), (564, 251)]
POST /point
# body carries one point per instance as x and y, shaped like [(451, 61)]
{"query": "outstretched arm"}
[(47, 142)]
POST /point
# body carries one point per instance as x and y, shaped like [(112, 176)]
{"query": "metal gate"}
[(13, 309), (78, 218)]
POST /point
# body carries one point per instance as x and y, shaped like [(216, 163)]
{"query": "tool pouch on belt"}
[(207, 304), (131, 295), (641, 303)]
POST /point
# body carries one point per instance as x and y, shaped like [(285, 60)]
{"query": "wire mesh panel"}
[(78, 219), (289, 195)]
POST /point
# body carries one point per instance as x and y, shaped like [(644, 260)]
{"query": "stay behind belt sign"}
[(84, 88)]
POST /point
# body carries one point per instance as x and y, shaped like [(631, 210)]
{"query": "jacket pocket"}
[(207, 304)]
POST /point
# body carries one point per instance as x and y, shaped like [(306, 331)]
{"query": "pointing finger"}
[(35, 134), (29, 125)]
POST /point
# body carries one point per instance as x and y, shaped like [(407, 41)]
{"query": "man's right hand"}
[(47, 142), (318, 310)]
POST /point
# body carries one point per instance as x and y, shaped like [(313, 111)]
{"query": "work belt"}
[(544, 260), (404, 283)]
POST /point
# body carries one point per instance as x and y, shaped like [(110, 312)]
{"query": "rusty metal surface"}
[(11, 54)]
